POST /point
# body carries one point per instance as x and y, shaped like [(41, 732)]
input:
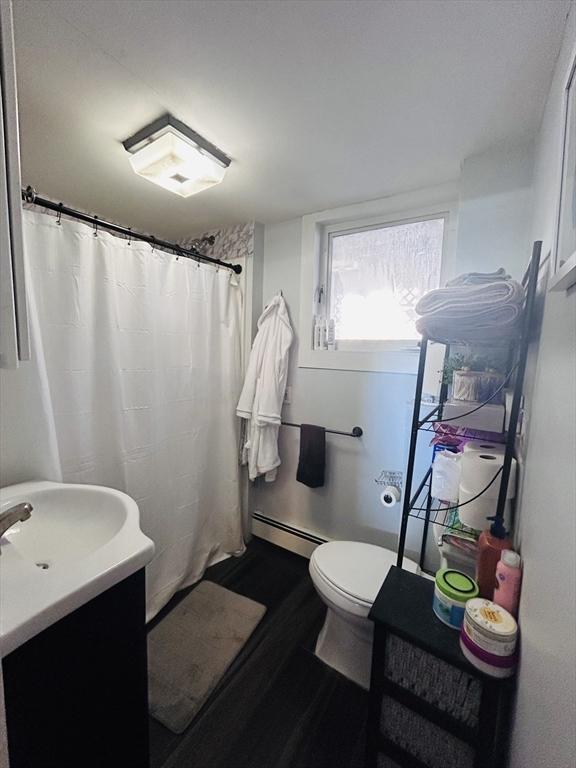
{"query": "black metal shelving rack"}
[(420, 504), (450, 712)]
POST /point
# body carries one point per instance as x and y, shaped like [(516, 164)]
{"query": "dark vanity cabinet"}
[(77, 693), (429, 708)]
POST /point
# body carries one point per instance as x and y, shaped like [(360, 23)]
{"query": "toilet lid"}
[(355, 568)]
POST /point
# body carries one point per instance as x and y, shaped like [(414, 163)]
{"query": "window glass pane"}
[(378, 275)]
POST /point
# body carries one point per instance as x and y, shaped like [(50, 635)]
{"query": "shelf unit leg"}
[(443, 396), (412, 451), (519, 380), (425, 527)]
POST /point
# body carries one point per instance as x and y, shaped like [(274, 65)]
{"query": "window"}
[(373, 275), (365, 266)]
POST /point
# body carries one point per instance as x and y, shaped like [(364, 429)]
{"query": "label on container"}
[(490, 644), (450, 614), (489, 614), (491, 619)]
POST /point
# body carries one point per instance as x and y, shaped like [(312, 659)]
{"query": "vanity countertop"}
[(79, 541)]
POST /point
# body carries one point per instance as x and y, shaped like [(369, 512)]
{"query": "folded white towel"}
[(466, 332), (465, 300), (479, 278), (477, 312)]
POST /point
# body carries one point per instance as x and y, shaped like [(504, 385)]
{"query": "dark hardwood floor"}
[(278, 706)]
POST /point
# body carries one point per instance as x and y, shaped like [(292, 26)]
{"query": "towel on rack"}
[(479, 278), (471, 312), (312, 459), (261, 399)]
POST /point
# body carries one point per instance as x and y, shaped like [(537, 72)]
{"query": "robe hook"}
[(30, 194)]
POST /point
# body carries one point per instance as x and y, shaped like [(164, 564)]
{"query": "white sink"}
[(79, 541)]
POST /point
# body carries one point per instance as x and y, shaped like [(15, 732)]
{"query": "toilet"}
[(347, 576)]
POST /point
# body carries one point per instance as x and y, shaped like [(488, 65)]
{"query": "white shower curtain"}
[(138, 360)]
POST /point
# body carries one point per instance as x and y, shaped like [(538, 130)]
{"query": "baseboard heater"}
[(306, 535)]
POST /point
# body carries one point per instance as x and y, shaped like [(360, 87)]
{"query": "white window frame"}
[(363, 225), (379, 356)]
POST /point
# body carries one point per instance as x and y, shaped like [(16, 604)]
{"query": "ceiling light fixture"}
[(169, 153)]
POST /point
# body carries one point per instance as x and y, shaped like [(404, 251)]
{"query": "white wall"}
[(347, 506), (545, 730), (27, 439), (381, 403), (495, 203)]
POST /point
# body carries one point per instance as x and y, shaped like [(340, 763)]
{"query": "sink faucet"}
[(16, 514)]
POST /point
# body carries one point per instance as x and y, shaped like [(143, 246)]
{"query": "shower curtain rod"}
[(29, 196)]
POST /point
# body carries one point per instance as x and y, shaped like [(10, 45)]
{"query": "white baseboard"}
[(296, 540)]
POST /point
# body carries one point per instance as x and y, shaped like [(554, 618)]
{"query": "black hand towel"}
[(312, 455)]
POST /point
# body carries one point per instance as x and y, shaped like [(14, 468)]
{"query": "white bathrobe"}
[(263, 392)]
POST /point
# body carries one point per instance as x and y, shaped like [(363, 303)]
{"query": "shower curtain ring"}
[(59, 215), (95, 226), (153, 242), (129, 235)]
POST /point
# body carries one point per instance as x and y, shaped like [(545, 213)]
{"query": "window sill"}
[(565, 276), (402, 360)]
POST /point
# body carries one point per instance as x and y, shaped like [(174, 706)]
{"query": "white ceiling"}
[(319, 102)]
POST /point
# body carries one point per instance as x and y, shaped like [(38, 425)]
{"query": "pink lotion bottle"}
[(508, 581)]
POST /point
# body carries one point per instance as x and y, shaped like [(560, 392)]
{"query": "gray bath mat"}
[(189, 650)]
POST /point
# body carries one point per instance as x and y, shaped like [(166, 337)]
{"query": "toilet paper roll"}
[(480, 446), (479, 469), (390, 496), (475, 514)]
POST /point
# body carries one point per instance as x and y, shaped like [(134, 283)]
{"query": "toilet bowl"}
[(347, 576)]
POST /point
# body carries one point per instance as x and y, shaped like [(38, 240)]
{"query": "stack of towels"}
[(473, 307)]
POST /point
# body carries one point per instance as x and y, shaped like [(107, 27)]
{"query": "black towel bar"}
[(356, 431)]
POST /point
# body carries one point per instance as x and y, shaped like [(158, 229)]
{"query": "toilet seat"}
[(349, 574), (336, 597)]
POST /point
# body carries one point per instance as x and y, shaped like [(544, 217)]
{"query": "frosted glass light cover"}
[(173, 163)]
